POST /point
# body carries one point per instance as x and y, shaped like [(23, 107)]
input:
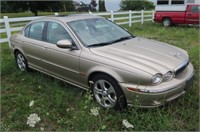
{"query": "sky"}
[(111, 5)]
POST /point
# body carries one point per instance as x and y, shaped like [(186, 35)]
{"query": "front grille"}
[(181, 68)]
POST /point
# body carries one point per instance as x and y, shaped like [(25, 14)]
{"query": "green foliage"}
[(102, 6), (69, 5), (35, 6), (136, 5), (93, 3), (13, 6)]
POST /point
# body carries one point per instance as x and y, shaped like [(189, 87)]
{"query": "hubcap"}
[(166, 23), (105, 93), (21, 62)]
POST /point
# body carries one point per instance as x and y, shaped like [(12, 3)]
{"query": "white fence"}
[(9, 25)]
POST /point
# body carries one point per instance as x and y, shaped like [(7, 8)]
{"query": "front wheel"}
[(21, 61), (107, 92), (167, 22)]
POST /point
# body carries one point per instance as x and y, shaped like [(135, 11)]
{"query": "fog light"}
[(168, 76)]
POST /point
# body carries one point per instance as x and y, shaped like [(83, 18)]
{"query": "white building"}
[(177, 2), (174, 5)]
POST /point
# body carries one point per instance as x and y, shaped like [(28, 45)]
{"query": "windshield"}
[(98, 31)]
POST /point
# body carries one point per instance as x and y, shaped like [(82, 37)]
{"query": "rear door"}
[(32, 44), (192, 14)]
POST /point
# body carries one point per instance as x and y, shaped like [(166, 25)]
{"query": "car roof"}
[(69, 18)]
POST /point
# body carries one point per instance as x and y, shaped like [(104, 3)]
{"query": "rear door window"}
[(36, 30)]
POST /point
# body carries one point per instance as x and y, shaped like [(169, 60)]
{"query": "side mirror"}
[(64, 43)]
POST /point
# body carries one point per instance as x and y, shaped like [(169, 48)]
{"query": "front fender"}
[(91, 64), (105, 70)]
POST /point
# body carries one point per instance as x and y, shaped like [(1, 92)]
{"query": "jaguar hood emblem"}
[(176, 54)]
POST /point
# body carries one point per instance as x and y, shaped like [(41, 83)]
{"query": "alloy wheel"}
[(21, 62), (105, 93)]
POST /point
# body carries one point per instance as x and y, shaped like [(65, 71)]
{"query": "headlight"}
[(156, 79), (168, 76)]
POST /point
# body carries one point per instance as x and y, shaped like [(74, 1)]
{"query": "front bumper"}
[(152, 96)]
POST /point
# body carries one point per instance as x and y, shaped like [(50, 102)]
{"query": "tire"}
[(167, 22), (108, 93), (21, 61)]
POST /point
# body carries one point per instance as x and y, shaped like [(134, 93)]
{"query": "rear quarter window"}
[(26, 31)]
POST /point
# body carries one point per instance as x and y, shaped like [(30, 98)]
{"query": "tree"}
[(13, 6), (93, 4), (102, 5), (136, 5), (69, 5), (35, 6)]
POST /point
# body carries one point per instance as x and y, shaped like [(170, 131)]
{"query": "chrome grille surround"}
[(181, 67)]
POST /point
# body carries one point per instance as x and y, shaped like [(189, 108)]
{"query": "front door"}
[(61, 62), (192, 16)]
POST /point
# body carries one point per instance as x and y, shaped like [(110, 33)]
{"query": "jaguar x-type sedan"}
[(95, 54)]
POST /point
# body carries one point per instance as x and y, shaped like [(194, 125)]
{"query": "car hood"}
[(144, 54)]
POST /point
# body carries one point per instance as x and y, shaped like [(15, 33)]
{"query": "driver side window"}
[(56, 32)]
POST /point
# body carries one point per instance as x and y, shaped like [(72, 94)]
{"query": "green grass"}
[(64, 107)]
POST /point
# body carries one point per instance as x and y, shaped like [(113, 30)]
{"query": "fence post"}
[(130, 18), (142, 16), (112, 16), (153, 13), (7, 26)]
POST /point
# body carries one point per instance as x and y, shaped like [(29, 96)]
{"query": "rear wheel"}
[(167, 22), (107, 92), (21, 61)]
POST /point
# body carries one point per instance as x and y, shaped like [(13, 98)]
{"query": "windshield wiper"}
[(111, 42), (100, 44), (122, 38)]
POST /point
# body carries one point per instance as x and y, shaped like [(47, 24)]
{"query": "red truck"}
[(189, 15)]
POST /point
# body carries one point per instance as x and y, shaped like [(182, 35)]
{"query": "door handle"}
[(189, 14)]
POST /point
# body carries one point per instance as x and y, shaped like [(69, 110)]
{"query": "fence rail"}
[(9, 25)]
